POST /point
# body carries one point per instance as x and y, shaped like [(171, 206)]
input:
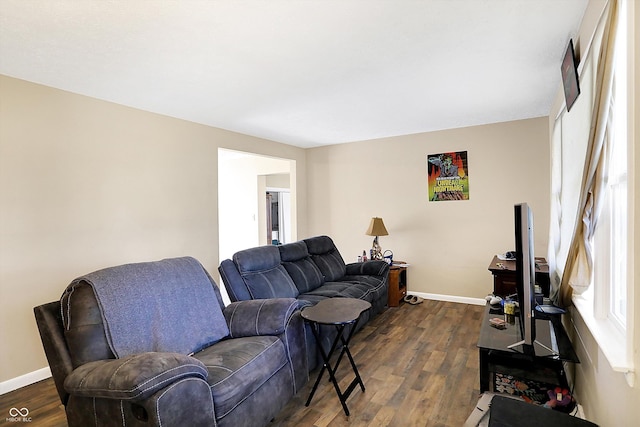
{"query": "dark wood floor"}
[(419, 364)]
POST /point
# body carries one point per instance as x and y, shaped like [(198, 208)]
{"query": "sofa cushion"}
[(304, 273), (293, 251), (326, 256), (339, 290), (264, 275), (274, 283), (240, 366), (257, 259), (374, 283)]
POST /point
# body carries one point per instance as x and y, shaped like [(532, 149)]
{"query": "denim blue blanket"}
[(167, 305)]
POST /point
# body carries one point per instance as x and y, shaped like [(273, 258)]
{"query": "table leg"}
[(326, 357), (345, 349), (484, 369), (326, 365)]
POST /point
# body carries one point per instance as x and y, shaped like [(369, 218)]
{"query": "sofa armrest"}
[(259, 317), (369, 268), (233, 281), (134, 377)]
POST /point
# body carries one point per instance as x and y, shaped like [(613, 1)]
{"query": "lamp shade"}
[(377, 228)]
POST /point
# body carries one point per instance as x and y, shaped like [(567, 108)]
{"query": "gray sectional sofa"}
[(309, 270)]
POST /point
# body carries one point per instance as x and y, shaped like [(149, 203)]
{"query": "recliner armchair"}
[(152, 344)]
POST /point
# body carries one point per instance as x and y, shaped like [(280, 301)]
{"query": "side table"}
[(339, 312), (397, 283), (504, 276)]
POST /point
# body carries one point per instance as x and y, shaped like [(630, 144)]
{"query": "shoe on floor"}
[(413, 300)]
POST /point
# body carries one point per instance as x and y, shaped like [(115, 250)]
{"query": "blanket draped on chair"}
[(167, 305)]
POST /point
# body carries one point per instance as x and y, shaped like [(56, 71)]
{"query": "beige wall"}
[(448, 244), (607, 398), (86, 184)]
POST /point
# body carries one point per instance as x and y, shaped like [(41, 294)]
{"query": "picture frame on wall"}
[(448, 176)]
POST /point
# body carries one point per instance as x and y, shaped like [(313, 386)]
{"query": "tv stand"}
[(497, 351), (532, 350)]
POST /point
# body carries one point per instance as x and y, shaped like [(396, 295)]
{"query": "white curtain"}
[(578, 269)]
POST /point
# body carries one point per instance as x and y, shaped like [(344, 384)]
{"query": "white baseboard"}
[(24, 380), (450, 298)]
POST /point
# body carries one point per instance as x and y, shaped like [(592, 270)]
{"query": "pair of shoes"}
[(412, 299)]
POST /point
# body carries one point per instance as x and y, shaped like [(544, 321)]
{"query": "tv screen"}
[(525, 272), (570, 81)]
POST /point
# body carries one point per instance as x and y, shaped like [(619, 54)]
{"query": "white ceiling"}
[(301, 72)]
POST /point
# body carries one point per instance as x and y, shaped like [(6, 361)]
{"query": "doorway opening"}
[(244, 180), (278, 216)]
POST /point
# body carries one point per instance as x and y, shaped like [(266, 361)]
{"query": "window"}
[(612, 244), (617, 182), (604, 307)]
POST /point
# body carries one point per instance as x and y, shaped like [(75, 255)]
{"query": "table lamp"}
[(376, 228)]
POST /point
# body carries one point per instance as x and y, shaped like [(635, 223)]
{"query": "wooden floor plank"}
[(419, 364)]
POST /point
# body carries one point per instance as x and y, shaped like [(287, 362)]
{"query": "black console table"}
[(495, 356)]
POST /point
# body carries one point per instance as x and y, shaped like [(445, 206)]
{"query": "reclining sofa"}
[(309, 270), (152, 344)]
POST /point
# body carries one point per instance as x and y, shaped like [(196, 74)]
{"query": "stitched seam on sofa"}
[(166, 391), (256, 389), (304, 276), (316, 271), (139, 387), (118, 369), (292, 307), (251, 294), (94, 367), (254, 272), (246, 284), (288, 280), (241, 367), (168, 379), (333, 263), (233, 313), (375, 286), (287, 351), (271, 288), (336, 258), (258, 316), (161, 383), (122, 414), (73, 288), (225, 279), (360, 297), (319, 259)]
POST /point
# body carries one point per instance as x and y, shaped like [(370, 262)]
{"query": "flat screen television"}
[(525, 273), (526, 279)]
